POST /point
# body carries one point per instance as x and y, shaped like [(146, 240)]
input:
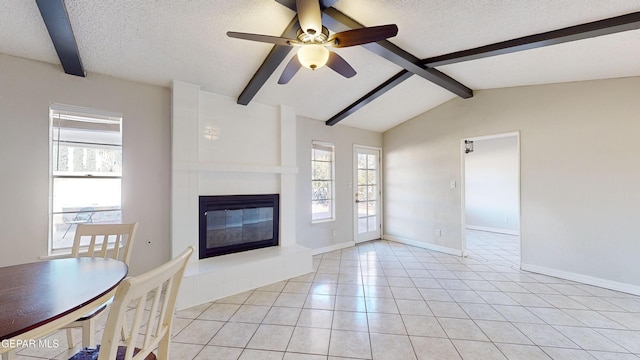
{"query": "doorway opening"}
[(491, 198)]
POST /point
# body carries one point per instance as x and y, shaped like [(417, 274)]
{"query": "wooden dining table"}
[(41, 297)]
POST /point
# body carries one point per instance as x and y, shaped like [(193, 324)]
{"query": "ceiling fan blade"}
[(262, 38), (340, 65), (309, 16), (363, 35), (291, 69)]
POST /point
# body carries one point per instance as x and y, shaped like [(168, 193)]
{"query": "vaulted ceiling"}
[(157, 42)]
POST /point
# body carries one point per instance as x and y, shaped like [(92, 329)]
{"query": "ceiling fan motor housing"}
[(306, 37)]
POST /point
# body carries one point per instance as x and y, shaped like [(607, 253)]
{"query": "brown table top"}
[(35, 294)]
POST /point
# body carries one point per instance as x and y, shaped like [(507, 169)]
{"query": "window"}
[(86, 171), (322, 181)]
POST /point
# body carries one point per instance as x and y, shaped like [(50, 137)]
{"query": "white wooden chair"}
[(104, 240), (152, 315)]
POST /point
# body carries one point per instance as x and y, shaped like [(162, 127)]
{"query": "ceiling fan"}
[(313, 40)]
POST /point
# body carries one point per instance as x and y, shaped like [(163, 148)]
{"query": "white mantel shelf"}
[(233, 168)]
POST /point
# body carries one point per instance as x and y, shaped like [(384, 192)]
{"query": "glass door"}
[(367, 194)]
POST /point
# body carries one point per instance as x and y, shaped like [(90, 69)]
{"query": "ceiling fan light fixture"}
[(313, 56)]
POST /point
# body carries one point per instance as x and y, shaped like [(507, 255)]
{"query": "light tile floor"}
[(496, 248), (384, 300)]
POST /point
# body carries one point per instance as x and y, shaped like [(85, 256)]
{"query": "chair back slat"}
[(135, 328), (92, 245), (159, 316), (99, 236), (104, 246), (118, 245), (165, 304), (153, 323)]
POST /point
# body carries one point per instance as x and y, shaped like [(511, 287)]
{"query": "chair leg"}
[(69, 338), (88, 336)]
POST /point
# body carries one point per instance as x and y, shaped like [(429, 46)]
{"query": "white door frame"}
[(354, 189), (463, 184)]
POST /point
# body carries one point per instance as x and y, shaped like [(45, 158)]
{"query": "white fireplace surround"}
[(221, 148)]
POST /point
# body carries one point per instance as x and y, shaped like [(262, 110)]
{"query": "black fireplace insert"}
[(234, 223)]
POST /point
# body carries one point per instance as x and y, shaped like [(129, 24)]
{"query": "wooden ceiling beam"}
[(338, 21), (56, 19), (369, 97), (572, 33)]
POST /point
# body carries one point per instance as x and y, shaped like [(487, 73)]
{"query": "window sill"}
[(57, 255), (322, 221)]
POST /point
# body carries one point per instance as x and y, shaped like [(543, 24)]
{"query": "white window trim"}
[(319, 144), (90, 112)]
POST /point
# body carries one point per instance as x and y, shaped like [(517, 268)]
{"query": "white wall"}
[(26, 90), (491, 185), (579, 175), (320, 236)]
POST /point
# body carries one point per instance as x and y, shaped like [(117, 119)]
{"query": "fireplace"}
[(235, 223)]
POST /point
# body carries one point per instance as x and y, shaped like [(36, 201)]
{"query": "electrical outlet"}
[(438, 232), (333, 232)]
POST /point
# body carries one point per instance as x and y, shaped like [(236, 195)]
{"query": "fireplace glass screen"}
[(233, 227)]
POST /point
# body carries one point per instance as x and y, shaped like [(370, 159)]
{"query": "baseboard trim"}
[(494, 230), (434, 247), (330, 248), (585, 279)]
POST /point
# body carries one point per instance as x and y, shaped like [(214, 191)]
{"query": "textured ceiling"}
[(159, 41)]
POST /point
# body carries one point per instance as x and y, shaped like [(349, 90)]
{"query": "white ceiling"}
[(159, 41)]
